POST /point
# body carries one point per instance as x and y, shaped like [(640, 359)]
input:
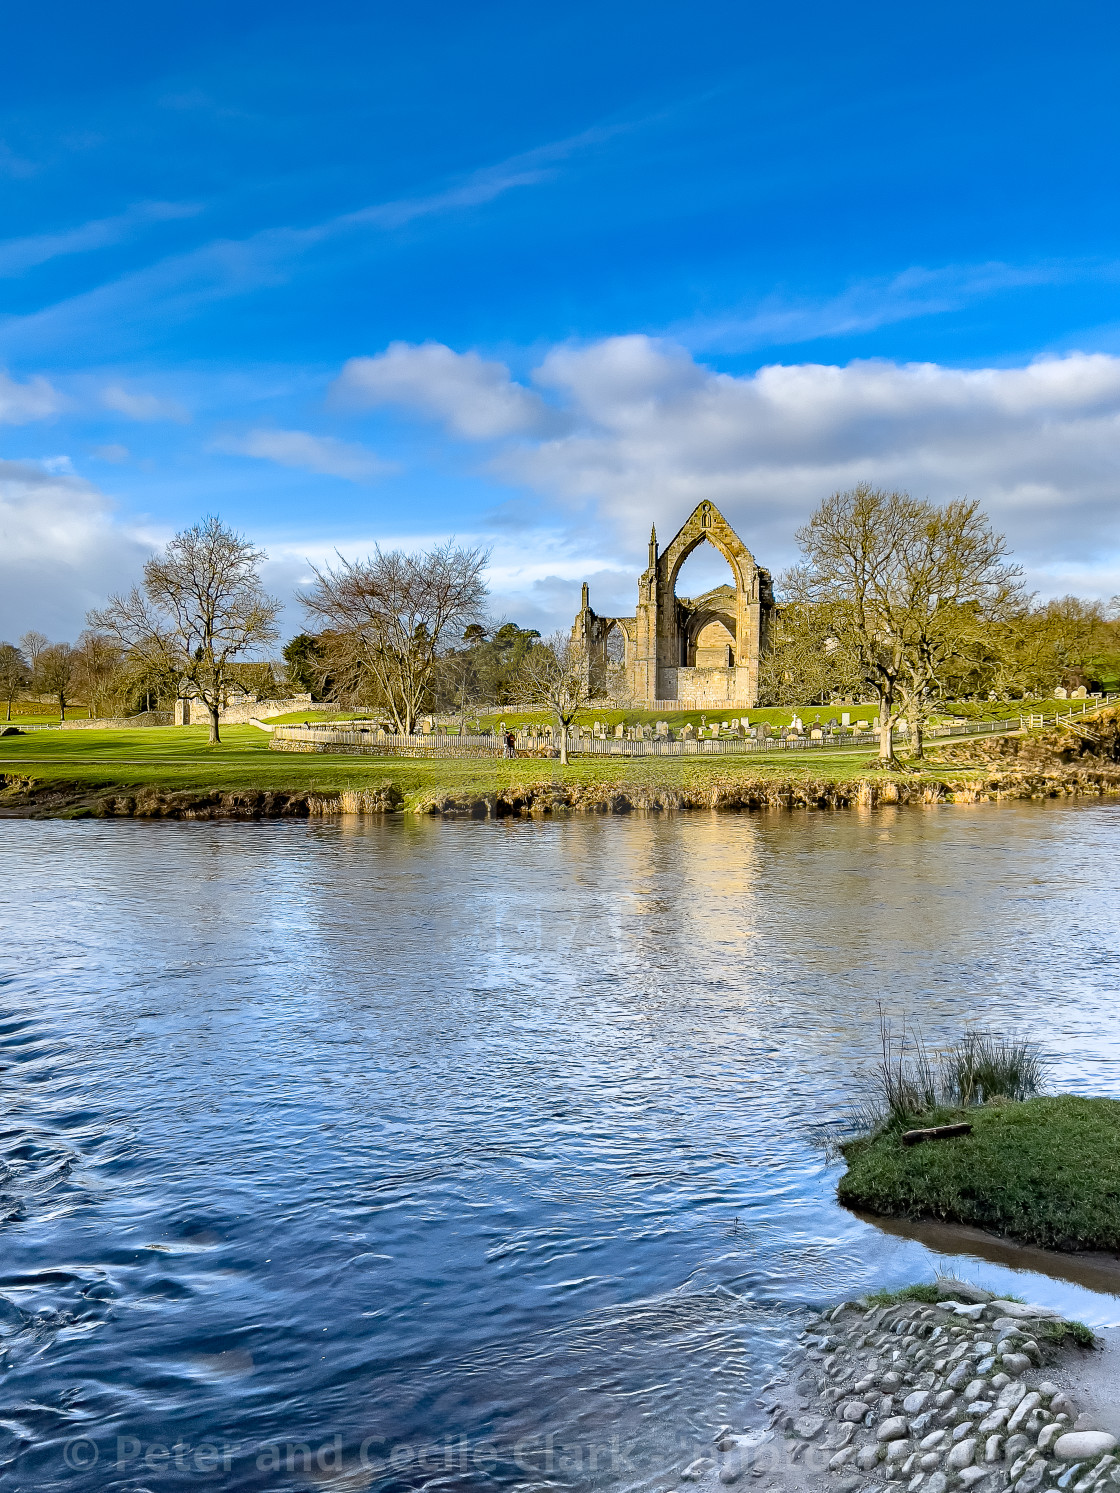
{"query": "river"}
[(450, 1155)]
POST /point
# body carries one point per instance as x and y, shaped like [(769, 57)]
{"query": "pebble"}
[(855, 1410), (808, 1426), (1033, 1478), (1016, 1363), (915, 1403), (890, 1430), (1011, 1394), (970, 1475), (1028, 1403), (962, 1454), (1075, 1446)]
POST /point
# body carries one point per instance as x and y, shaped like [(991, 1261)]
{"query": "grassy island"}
[(1045, 1171)]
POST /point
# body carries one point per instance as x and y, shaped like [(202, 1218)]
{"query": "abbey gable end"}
[(677, 651)]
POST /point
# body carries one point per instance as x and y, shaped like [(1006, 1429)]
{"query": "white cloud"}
[(475, 398), (21, 403), (62, 551), (309, 453), (650, 432), (142, 406)]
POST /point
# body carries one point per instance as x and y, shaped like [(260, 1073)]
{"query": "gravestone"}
[(1060, 694), (846, 718)]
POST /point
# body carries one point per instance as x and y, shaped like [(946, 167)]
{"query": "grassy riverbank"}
[(1045, 1171), (78, 772), (181, 759)]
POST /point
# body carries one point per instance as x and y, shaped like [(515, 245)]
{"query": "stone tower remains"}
[(679, 652)]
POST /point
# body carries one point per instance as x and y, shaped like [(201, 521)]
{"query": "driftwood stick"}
[(936, 1132)]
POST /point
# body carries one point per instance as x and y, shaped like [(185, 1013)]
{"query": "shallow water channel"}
[(455, 1155)]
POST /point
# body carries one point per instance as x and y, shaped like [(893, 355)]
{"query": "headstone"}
[(846, 718), (1060, 694), (863, 725), (816, 734), (620, 731), (1079, 693), (663, 728), (762, 730)]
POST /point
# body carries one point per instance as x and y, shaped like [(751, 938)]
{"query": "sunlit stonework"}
[(681, 651)]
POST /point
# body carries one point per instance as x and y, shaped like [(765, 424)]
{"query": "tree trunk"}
[(886, 742), (563, 746), (917, 744), (61, 707), (215, 734)]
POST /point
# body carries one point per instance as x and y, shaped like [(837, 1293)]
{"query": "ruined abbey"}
[(676, 651)]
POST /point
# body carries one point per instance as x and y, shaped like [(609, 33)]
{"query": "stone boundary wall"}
[(106, 722), (192, 712)]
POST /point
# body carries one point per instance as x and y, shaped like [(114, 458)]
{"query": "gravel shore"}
[(969, 1393)]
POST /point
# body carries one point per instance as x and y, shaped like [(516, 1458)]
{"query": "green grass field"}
[(181, 757)]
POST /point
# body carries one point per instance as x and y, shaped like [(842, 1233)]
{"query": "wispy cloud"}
[(309, 453), (21, 403), (869, 304), (142, 406), (175, 286), (19, 254)]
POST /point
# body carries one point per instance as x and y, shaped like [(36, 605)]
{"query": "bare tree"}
[(900, 582), (955, 586), (15, 674), (97, 670), (201, 608), (388, 618), (53, 671), (804, 662), (554, 673)]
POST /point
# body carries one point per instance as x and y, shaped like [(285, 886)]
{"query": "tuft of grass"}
[(1057, 1334), (984, 1065), (909, 1082), (920, 1292), (1043, 1170)]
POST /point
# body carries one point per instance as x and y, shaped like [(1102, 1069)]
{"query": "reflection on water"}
[(419, 1144)]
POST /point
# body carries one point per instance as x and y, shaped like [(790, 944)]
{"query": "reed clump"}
[(909, 1080)]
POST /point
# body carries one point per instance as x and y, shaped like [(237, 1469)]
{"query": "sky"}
[(537, 277)]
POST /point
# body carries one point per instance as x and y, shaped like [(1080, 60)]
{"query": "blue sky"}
[(537, 276)]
